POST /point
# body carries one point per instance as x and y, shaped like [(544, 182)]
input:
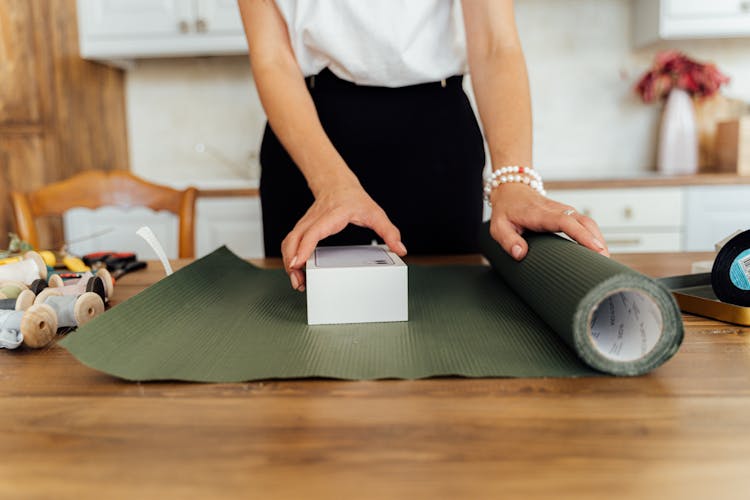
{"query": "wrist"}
[(333, 180), (513, 175)]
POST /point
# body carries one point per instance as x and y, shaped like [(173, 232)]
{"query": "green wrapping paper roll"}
[(220, 319), (616, 319)]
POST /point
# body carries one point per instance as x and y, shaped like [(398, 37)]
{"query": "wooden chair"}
[(94, 189)]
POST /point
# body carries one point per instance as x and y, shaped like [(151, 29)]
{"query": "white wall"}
[(587, 120)]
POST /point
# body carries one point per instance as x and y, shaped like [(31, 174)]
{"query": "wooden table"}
[(682, 431)]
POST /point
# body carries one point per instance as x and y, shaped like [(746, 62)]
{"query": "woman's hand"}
[(331, 212), (516, 207)]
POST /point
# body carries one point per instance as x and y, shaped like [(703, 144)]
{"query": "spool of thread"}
[(108, 280), (55, 281), (11, 290), (37, 325), (21, 303), (730, 274), (75, 286), (101, 283), (49, 257), (96, 285), (31, 268), (11, 260), (37, 286), (71, 310)]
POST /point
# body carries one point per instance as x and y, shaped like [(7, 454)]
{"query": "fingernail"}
[(295, 281), (598, 243), (292, 262), (401, 247), (516, 251), (301, 288)]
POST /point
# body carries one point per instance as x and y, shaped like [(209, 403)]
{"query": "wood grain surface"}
[(59, 114), (679, 432)]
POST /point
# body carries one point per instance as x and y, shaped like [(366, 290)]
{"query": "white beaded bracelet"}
[(513, 173)]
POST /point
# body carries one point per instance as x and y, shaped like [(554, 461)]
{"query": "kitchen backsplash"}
[(199, 120)]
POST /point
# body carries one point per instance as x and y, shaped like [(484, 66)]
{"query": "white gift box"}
[(356, 284)]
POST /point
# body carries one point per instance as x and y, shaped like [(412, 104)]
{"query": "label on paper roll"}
[(739, 271)]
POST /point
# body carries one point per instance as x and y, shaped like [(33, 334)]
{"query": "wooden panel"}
[(22, 166), (88, 99), (19, 99), (59, 114)]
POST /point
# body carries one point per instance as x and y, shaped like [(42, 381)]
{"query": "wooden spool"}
[(39, 326), (88, 306)]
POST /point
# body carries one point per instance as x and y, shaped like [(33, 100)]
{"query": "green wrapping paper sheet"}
[(564, 311)]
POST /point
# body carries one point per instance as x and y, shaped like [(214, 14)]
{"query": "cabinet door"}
[(703, 19), (219, 17), (118, 18), (713, 213)]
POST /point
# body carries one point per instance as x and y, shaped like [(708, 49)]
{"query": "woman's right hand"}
[(332, 211)]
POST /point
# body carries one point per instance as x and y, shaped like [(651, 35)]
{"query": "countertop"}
[(678, 432)]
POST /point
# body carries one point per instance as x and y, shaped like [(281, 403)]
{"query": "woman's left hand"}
[(516, 207)]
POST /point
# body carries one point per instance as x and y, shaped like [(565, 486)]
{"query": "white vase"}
[(678, 136)]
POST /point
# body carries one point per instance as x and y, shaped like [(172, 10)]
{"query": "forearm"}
[(500, 80), (292, 115), (288, 105), (500, 84)]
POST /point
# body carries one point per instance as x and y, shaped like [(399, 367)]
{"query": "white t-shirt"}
[(389, 43)]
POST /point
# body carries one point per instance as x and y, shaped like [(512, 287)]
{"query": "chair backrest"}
[(94, 189)]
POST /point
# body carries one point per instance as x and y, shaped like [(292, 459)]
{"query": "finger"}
[(322, 228), (570, 226), (507, 234), (593, 228), (297, 278), (382, 225)]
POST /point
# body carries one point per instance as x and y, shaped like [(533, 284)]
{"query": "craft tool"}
[(730, 274), (129, 268), (31, 268), (24, 300), (71, 310), (75, 264), (37, 325), (110, 259)]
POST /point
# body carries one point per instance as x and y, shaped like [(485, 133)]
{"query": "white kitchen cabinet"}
[(713, 213), (656, 20), (632, 219), (117, 30)]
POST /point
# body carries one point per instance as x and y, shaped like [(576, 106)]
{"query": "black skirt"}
[(416, 150)]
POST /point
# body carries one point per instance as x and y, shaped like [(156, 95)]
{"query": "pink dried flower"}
[(673, 69)]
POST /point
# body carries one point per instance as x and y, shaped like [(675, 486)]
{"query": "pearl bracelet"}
[(514, 173)]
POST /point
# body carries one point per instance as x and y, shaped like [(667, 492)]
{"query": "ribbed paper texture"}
[(221, 319)]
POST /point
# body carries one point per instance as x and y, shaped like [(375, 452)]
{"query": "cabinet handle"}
[(624, 242), (745, 6), (183, 26), (201, 26), (628, 212)]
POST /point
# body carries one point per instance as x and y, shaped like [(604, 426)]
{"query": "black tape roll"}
[(730, 275)]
